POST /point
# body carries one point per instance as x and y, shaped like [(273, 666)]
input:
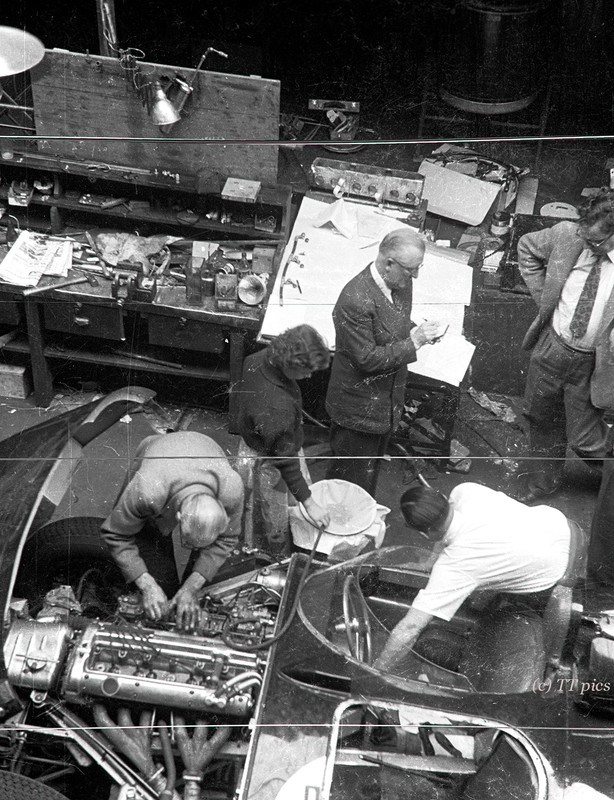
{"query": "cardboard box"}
[(14, 381)]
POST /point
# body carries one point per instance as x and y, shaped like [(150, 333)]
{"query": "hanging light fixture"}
[(19, 51)]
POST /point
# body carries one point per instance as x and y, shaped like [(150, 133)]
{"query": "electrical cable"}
[(252, 648)]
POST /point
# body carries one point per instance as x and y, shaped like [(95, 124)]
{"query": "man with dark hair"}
[(375, 341), (489, 542), (177, 481), (569, 270)]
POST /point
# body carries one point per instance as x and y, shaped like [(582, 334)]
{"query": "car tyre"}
[(66, 549), (20, 787)]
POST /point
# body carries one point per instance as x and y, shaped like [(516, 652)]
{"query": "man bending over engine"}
[(490, 542), (177, 482)]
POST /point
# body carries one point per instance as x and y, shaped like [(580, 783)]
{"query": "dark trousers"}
[(559, 410), (601, 547), (356, 456)]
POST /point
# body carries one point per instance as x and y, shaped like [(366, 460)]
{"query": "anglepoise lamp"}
[(163, 112)]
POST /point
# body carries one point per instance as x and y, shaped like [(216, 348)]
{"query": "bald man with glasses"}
[(569, 270), (375, 340)]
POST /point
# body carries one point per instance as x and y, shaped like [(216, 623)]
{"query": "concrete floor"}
[(99, 476)]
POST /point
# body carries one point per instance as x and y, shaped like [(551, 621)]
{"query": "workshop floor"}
[(496, 446)]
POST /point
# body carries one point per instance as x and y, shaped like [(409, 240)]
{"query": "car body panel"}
[(35, 470), (309, 679)]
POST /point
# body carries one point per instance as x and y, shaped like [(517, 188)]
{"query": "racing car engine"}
[(136, 662)]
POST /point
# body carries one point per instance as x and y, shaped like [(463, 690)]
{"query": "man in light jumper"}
[(179, 482)]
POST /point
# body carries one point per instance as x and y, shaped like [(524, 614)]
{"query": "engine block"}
[(136, 664)]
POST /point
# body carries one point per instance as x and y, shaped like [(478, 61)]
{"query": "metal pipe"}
[(16, 107), (94, 746), (169, 762), (251, 676), (59, 285), (134, 741), (196, 752)]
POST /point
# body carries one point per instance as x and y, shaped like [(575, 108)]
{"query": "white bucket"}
[(356, 520)]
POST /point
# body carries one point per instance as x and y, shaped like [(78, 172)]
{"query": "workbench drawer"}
[(186, 334), (89, 319)]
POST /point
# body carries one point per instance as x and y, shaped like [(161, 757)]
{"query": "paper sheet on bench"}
[(33, 255), (456, 196), (441, 291), (445, 361)]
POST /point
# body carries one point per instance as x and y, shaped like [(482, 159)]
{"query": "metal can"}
[(500, 225)]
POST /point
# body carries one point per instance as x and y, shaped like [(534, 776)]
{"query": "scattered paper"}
[(447, 360), (457, 196), (326, 261), (33, 255), (339, 217)]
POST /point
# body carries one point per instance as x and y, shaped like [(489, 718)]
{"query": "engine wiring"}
[(267, 643)]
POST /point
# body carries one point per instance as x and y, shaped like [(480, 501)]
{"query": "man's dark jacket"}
[(372, 348)]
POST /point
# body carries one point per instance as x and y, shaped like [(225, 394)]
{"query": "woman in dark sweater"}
[(271, 460)]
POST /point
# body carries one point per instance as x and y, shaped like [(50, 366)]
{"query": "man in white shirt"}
[(490, 542), (569, 270)]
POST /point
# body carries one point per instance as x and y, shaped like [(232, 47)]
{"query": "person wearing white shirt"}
[(490, 542), (569, 270)]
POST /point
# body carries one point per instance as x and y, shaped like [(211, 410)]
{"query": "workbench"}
[(86, 324)]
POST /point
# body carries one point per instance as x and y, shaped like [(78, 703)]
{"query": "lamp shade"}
[(163, 112), (19, 51)]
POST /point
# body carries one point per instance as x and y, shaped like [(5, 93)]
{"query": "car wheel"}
[(62, 553), (19, 787), (71, 551)]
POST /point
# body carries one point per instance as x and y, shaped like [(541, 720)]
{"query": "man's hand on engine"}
[(185, 602), (155, 600)]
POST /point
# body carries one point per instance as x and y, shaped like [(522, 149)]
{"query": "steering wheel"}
[(356, 619)]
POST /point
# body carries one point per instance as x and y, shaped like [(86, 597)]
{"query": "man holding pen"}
[(375, 340)]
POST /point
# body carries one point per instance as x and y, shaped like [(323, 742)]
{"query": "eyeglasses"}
[(408, 270), (592, 242)]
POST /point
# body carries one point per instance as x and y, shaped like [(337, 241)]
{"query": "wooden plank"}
[(79, 96)]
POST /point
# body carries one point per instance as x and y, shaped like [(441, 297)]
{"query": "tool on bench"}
[(137, 287), (148, 359), (59, 285), (292, 258), (91, 279), (106, 270)]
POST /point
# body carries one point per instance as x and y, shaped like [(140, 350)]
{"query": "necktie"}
[(583, 311)]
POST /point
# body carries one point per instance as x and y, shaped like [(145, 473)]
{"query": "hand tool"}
[(148, 359), (291, 258), (60, 285), (89, 277), (108, 273)]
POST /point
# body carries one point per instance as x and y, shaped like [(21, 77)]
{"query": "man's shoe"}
[(530, 496)]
